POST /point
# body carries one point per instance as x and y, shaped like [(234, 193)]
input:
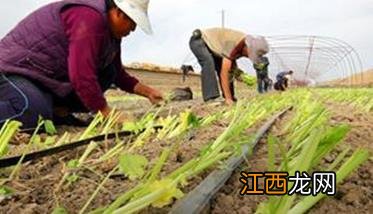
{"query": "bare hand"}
[(155, 97), (229, 102)]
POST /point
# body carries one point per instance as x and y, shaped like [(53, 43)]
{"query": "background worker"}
[(269, 84), (63, 57), (261, 68), (283, 79), (217, 50)]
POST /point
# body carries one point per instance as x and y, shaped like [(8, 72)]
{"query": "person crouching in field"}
[(217, 50), (62, 58), (282, 80)]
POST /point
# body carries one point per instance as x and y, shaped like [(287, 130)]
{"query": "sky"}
[(173, 21)]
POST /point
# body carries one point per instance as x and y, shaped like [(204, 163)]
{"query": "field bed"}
[(354, 195), (90, 178)]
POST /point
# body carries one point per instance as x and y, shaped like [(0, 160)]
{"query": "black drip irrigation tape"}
[(11, 161), (196, 200)]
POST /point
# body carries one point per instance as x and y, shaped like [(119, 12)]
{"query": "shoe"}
[(215, 101)]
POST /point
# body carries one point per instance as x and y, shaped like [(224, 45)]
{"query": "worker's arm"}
[(132, 85), (124, 80), (153, 95), (238, 51), (83, 27), (140, 89), (227, 64), (224, 76)]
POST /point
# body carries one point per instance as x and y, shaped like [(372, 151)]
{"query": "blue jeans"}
[(262, 81), (211, 66), (24, 100), (21, 100)]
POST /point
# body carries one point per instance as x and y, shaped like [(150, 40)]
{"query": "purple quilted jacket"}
[(38, 48)]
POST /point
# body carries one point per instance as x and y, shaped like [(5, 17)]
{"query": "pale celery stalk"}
[(207, 162), (112, 120), (189, 169), (159, 164), (284, 158), (64, 139), (296, 139), (140, 140), (16, 168), (145, 201), (224, 135), (333, 137), (7, 131), (318, 119), (169, 123), (339, 159), (112, 152), (3, 128), (90, 129), (123, 199), (359, 157), (271, 153), (92, 146), (210, 119), (303, 164), (97, 190), (188, 165)]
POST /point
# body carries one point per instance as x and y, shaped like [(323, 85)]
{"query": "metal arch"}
[(317, 56), (327, 48)]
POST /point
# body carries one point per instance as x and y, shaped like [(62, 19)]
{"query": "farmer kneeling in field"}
[(217, 50), (62, 58), (283, 79)]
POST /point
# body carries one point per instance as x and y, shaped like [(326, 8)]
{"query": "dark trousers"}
[(263, 82), (21, 100), (281, 84), (211, 66), (24, 100)]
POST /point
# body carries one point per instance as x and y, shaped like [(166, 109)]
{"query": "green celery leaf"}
[(73, 164), (59, 210), (132, 166), (49, 127)]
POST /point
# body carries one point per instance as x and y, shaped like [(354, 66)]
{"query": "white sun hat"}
[(137, 10)]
